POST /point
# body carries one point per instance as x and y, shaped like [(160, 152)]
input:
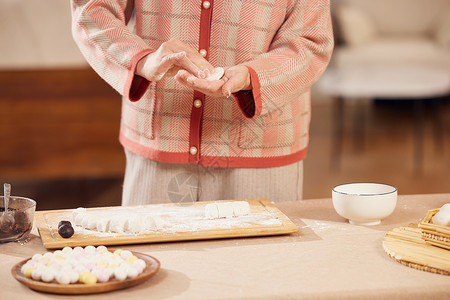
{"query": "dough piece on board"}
[(211, 211), (241, 208), (118, 224), (217, 75), (78, 211), (135, 225), (78, 220), (103, 224), (225, 210)]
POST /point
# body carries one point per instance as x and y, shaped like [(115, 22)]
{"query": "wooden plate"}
[(152, 266)]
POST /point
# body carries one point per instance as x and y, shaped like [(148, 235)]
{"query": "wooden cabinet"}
[(58, 124)]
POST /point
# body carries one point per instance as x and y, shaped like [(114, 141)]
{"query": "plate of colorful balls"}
[(85, 270)]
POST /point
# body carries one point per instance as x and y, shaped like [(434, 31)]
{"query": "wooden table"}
[(327, 259)]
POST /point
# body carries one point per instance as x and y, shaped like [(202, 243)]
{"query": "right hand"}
[(169, 58)]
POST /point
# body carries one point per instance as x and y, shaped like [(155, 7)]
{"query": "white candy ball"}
[(140, 262), (36, 257), (445, 207), (63, 278), (132, 273), (120, 274), (73, 276), (101, 248), (89, 249), (125, 254), (36, 274), (103, 277), (48, 276), (67, 250)]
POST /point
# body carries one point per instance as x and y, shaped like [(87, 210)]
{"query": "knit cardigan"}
[(285, 44)]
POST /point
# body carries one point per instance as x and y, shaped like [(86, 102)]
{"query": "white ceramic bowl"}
[(364, 203)]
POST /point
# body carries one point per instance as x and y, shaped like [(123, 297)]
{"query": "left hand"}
[(235, 79)]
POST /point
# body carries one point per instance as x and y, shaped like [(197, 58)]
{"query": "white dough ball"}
[(216, 75), (90, 249), (125, 254), (132, 273), (67, 250), (445, 207), (36, 257), (120, 274), (48, 276), (140, 262), (36, 274), (442, 218), (62, 278), (73, 276)]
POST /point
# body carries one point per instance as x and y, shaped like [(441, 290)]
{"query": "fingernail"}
[(201, 74), (190, 79)]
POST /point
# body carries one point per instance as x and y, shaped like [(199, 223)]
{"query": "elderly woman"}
[(240, 136)]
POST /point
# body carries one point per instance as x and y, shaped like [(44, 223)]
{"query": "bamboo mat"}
[(406, 246)]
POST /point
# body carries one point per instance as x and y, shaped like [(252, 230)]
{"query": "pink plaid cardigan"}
[(285, 44)]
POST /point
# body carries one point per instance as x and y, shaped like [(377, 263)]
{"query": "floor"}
[(377, 146)]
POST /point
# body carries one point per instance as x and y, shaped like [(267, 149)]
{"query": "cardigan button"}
[(206, 4), (193, 150), (197, 103), (203, 52)]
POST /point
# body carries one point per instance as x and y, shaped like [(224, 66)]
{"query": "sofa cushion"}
[(356, 26), (412, 49)]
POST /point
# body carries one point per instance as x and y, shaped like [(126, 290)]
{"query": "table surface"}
[(327, 259)]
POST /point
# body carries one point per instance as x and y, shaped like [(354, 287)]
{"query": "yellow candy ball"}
[(87, 278), (118, 252), (27, 272), (130, 260)]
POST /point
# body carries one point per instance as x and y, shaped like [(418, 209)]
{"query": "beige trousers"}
[(147, 181)]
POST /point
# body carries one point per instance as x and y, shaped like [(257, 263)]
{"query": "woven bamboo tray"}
[(406, 246), (434, 234)]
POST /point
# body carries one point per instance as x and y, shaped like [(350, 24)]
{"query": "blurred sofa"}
[(392, 32)]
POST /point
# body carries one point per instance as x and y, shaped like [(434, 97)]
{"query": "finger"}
[(191, 67), (232, 85)]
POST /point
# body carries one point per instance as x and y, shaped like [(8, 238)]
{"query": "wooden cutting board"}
[(405, 245), (181, 222)]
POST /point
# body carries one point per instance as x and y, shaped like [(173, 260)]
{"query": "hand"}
[(169, 58), (235, 79)]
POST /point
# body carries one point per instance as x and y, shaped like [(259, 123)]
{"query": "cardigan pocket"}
[(273, 130)]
